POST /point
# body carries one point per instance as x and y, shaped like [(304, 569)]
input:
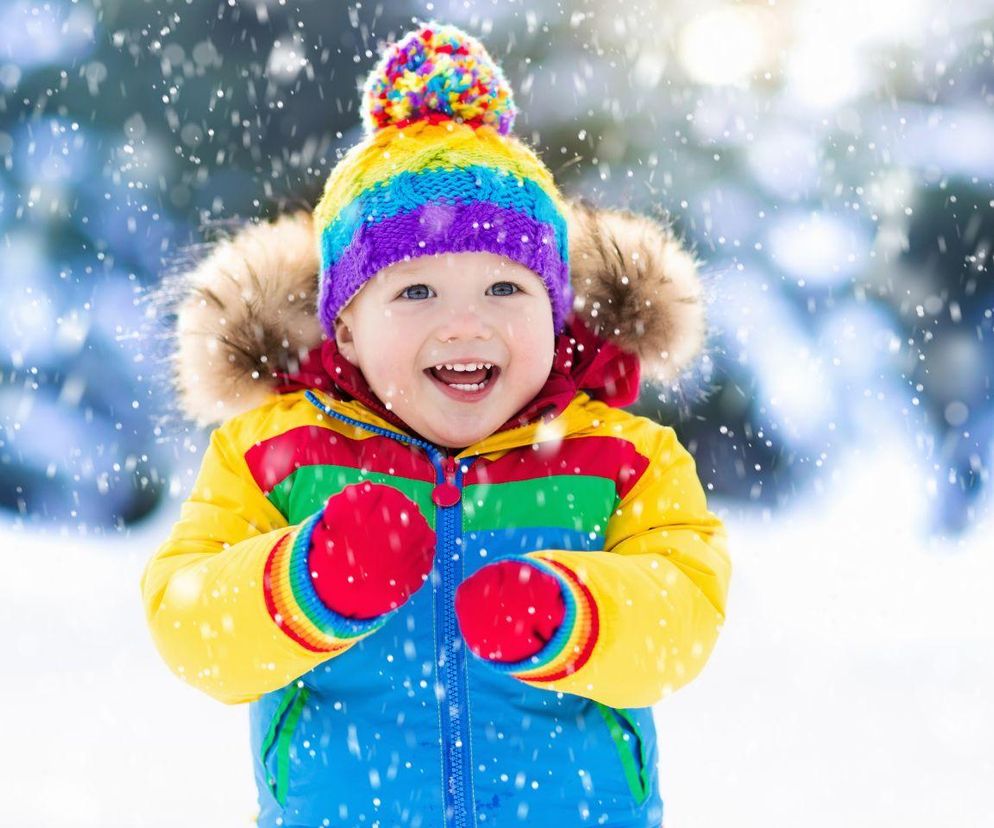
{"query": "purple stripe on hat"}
[(437, 227)]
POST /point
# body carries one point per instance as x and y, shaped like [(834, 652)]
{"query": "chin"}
[(460, 438), (452, 441)]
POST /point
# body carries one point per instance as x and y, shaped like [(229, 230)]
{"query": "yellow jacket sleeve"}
[(227, 597), (644, 615)]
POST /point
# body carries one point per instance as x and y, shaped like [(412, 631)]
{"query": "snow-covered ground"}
[(851, 686), (853, 681)]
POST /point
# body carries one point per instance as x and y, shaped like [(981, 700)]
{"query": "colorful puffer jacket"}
[(392, 721)]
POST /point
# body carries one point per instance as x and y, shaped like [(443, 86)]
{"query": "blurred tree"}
[(842, 217)]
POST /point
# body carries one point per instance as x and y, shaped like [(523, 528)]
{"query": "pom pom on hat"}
[(437, 73)]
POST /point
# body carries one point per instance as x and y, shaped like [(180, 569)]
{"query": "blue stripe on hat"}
[(407, 191)]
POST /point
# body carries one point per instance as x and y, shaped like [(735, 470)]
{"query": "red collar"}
[(583, 362)]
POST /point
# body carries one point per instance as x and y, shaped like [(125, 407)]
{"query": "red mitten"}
[(370, 551), (508, 610)]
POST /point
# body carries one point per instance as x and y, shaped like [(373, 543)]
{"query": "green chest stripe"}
[(303, 492), (580, 503)]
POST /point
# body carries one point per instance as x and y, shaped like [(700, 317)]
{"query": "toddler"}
[(449, 574)]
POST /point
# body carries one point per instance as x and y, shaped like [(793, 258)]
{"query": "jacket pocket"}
[(275, 751), (630, 747)]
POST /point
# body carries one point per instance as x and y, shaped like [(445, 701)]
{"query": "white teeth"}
[(471, 386), (466, 366)]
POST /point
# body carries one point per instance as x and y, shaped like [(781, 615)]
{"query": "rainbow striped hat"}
[(438, 171)]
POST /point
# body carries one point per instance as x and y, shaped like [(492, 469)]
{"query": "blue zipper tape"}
[(455, 754)]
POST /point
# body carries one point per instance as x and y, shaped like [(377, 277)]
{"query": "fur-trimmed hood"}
[(246, 318)]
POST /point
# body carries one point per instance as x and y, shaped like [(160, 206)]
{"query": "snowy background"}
[(830, 162)]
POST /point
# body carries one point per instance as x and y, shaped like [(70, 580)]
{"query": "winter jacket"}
[(391, 720)]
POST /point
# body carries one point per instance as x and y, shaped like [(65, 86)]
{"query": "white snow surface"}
[(851, 685)]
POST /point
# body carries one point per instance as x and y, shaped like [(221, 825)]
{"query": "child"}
[(448, 573)]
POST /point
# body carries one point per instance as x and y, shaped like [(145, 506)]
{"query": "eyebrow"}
[(402, 271), (399, 270), (403, 268)]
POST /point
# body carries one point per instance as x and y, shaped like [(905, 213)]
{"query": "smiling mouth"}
[(464, 385)]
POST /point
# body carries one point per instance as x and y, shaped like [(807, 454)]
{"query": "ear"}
[(345, 341)]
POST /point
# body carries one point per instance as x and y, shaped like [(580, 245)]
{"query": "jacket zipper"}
[(458, 774), (458, 780)]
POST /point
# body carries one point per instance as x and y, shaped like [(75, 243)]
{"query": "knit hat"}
[(438, 171)]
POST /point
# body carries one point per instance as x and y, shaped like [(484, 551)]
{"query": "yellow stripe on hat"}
[(420, 146)]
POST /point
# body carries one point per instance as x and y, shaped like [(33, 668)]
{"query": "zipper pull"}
[(448, 493)]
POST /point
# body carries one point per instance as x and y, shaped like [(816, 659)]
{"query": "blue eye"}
[(417, 292), (504, 288)]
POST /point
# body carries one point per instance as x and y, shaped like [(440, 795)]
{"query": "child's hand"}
[(370, 551), (508, 610)]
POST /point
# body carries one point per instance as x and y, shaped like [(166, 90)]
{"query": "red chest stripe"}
[(275, 459), (610, 457)]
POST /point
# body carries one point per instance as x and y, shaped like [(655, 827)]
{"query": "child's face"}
[(452, 308)]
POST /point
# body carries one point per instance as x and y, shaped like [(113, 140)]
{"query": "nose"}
[(464, 323)]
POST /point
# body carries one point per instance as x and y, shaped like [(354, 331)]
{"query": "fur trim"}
[(248, 309), (636, 285)]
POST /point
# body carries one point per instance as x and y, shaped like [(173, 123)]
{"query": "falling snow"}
[(830, 164)]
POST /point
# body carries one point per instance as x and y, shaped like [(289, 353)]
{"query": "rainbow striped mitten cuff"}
[(570, 648), (294, 604)]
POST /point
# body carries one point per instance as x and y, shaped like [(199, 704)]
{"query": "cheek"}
[(533, 339), (529, 333), (388, 357), (531, 358)]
